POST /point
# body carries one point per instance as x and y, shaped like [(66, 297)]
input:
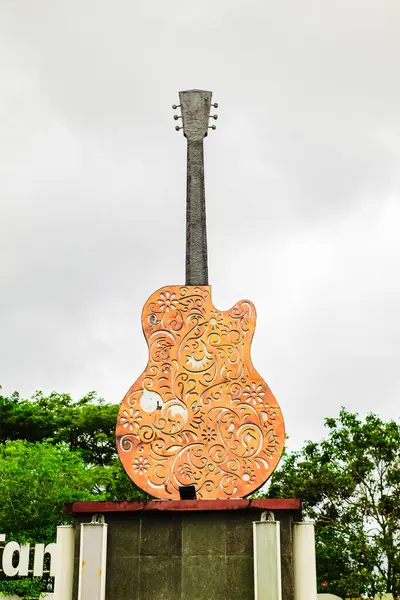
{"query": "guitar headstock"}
[(195, 107)]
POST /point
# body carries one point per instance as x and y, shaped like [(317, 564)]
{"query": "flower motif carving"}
[(249, 475), (130, 418), (167, 301), (209, 434), (140, 464), (254, 393)]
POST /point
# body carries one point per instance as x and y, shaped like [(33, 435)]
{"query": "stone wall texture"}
[(186, 555)]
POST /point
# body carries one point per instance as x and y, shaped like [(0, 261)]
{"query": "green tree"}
[(87, 425), (350, 486), (54, 450), (36, 479)]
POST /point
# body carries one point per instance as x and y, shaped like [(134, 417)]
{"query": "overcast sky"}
[(302, 190)]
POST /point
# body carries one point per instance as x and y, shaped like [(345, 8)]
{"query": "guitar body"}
[(200, 413)]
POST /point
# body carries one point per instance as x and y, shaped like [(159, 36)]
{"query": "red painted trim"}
[(183, 505)]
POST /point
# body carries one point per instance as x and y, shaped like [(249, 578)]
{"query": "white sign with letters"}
[(16, 560), (22, 567)]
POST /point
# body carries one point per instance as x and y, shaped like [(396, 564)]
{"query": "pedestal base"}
[(186, 550)]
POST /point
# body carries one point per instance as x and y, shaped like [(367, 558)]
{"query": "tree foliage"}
[(87, 425), (36, 479), (350, 486), (54, 450)]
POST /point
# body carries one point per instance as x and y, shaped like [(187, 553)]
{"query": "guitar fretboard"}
[(195, 107), (196, 231)]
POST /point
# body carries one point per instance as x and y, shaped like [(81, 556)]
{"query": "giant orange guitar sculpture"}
[(199, 414)]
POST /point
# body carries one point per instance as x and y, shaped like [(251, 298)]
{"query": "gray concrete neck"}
[(196, 233)]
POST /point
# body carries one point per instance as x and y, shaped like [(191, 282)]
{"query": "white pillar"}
[(304, 565), (64, 562), (267, 560), (92, 561)]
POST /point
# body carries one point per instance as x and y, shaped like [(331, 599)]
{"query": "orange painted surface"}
[(200, 413)]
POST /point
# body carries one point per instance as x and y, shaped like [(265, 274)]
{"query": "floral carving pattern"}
[(200, 413)]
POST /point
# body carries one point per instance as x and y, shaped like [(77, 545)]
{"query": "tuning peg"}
[(175, 106), (176, 117), (215, 105), (178, 128), (210, 127), (214, 117)]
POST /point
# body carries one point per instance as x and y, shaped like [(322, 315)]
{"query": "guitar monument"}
[(199, 414)]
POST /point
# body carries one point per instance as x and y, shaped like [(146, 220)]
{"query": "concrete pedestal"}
[(185, 550)]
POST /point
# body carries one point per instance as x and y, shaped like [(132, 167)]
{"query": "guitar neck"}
[(195, 107), (196, 233)]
